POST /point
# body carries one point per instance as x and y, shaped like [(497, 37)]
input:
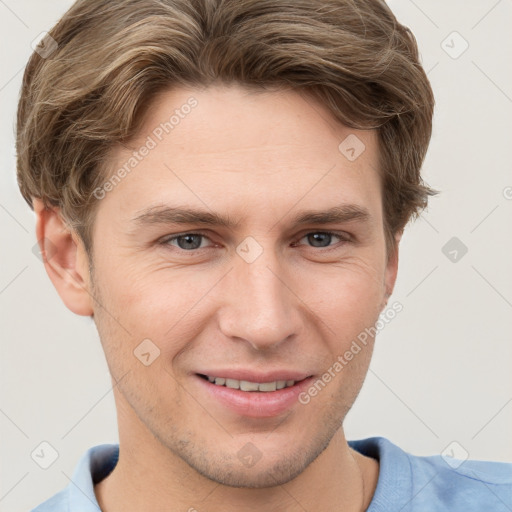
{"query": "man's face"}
[(263, 299)]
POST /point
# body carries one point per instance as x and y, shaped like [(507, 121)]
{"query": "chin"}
[(268, 468), (261, 475)]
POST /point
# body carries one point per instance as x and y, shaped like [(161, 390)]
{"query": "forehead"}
[(226, 118), (227, 146)]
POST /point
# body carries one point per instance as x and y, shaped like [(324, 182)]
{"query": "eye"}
[(186, 241), (193, 241), (323, 238)]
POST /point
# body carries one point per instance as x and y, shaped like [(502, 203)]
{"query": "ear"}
[(65, 259), (391, 270)]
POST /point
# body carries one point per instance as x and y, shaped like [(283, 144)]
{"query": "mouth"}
[(248, 386), (251, 395)]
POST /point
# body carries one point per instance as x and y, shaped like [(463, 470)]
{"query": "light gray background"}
[(441, 371)]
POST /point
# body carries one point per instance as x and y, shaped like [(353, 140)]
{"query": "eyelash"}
[(344, 238)]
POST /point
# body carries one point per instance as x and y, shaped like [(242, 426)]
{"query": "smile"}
[(245, 385), (253, 398)]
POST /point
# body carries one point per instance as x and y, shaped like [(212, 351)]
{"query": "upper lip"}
[(253, 376)]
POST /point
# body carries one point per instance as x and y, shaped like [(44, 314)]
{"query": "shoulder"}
[(418, 483), (471, 484), (57, 503)]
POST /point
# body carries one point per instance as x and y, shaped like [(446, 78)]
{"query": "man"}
[(222, 186)]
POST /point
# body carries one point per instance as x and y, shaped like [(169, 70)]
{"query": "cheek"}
[(348, 295), (159, 303), (347, 310)]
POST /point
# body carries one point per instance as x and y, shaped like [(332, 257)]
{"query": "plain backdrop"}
[(440, 379)]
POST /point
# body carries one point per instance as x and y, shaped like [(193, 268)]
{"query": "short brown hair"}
[(114, 56)]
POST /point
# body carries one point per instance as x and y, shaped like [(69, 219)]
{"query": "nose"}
[(260, 306)]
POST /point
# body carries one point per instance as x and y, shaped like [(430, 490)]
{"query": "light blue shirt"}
[(407, 483)]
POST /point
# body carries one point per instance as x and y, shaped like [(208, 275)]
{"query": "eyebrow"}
[(177, 215)]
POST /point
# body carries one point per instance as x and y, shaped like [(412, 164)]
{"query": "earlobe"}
[(64, 258)]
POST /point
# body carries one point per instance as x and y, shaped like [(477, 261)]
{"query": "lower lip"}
[(256, 404)]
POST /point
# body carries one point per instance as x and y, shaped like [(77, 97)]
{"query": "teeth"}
[(231, 383), (245, 385), (268, 386)]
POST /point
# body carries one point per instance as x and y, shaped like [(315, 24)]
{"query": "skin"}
[(259, 158)]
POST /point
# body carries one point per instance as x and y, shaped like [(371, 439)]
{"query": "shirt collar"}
[(94, 466)]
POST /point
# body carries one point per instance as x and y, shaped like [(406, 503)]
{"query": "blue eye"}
[(187, 241), (192, 241), (321, 238)]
